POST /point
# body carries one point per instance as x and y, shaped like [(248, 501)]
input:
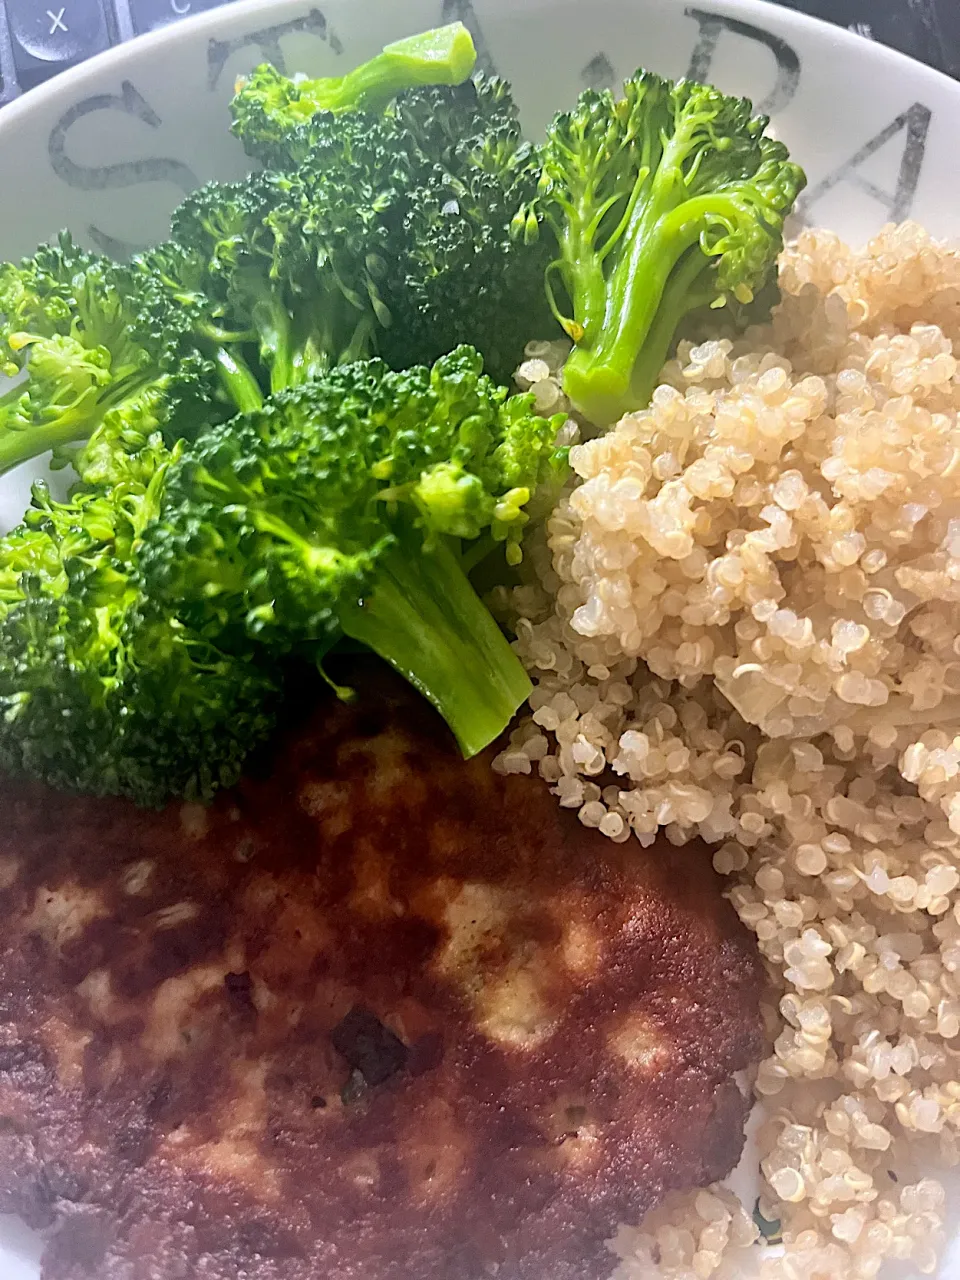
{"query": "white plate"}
[(108, 149)]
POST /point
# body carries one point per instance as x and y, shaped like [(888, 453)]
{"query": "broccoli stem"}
[(445, 55), (647, 296), (426, 620), (237, 380), (323, 329), (679, 298), (76, 424), (20, 445)]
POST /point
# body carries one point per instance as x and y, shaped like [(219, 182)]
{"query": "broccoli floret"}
[(183, 284), (436, 174), (663, 202), (275, 277), (81, 358), (270, 111), (458, 275), (343, 508), (391, 237), (101, 691)]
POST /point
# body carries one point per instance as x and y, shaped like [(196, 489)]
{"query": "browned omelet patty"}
[(376, 1014)]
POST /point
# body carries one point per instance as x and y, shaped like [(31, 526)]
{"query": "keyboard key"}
[(51, 34), (149, 14)]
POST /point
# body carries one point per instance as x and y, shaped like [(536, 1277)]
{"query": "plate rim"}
[(70, 84)]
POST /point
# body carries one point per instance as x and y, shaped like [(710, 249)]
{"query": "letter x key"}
[(49, 35)]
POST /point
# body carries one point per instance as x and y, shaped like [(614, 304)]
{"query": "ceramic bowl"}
[(110, 148)]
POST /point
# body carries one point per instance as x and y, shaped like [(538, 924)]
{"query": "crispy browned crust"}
[(173, 986)]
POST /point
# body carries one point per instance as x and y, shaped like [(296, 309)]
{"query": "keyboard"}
[(39, 38)]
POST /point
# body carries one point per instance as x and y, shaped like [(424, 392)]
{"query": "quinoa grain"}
[(742, 623)]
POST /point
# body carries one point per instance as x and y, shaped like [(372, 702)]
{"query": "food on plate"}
[(270, 105), (143, 623), (745, 631), (376, 1011), (382, 1007), (662, 203), (103, 690), (415, 206), (402, 230), (84, 360)]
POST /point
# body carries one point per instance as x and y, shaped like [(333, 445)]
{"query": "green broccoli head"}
[(272, 114), (74, 341), (658, 204), (458, 275), (340, 509), (101, 691), (274, 277), (87, 710), (410, 215)]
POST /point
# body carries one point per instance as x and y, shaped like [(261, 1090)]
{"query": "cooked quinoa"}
[(743, 623)]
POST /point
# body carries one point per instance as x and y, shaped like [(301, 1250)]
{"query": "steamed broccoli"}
[(457, 273), (100, 690), (145, 623), (283, 266), (273, 277), (342, 508), (417, 201), (272, 114), (666, 201), (82, 357)]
